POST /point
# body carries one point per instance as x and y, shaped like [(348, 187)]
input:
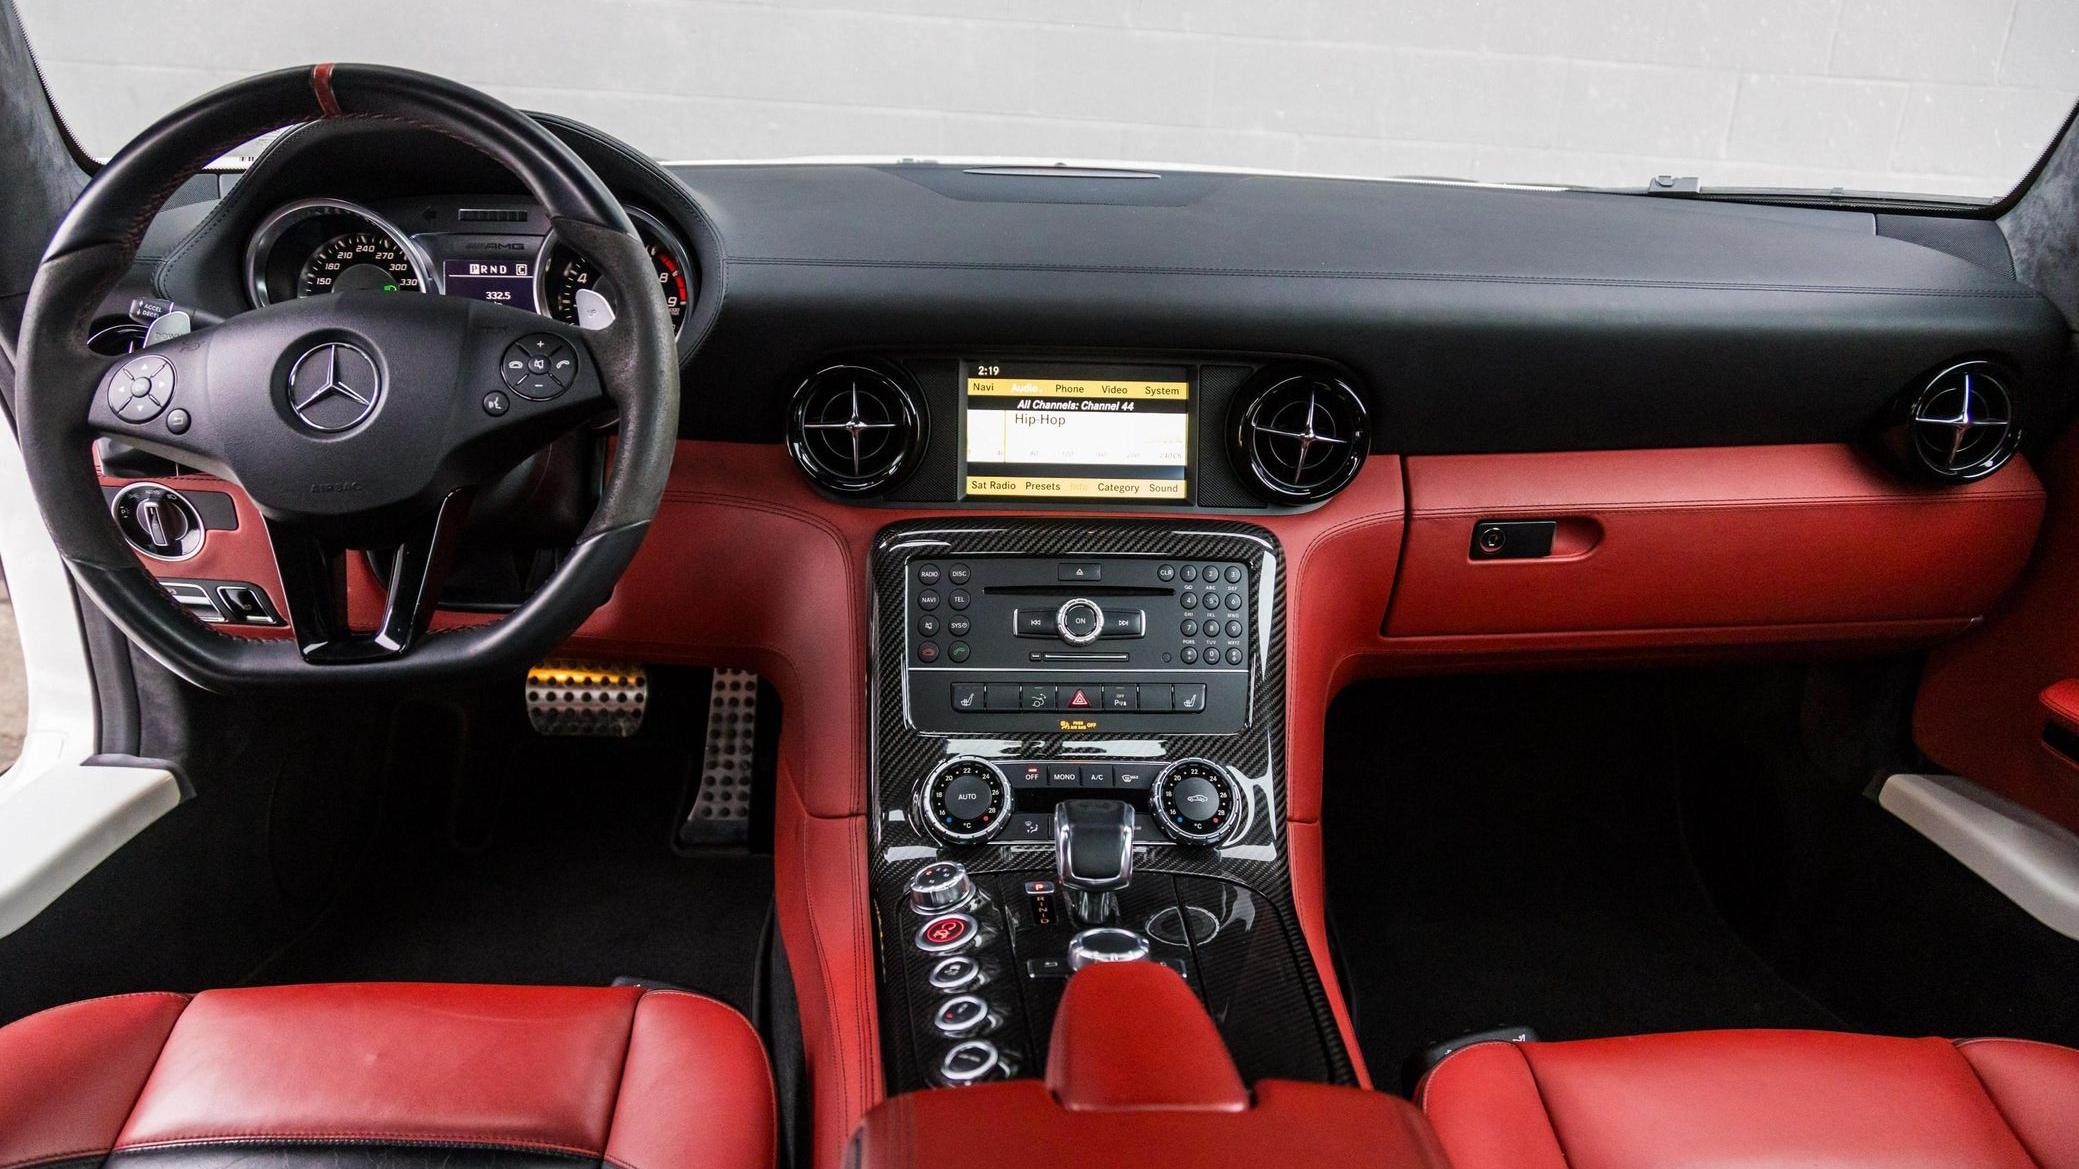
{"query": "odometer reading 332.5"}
[(359, 261)]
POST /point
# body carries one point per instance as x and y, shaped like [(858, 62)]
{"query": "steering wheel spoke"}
[(314, 574)]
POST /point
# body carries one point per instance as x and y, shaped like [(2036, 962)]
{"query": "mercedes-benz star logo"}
[(334, 387)]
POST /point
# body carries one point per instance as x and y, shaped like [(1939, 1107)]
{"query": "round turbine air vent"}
[(1962, 424), (855, 429), (1299, 435)]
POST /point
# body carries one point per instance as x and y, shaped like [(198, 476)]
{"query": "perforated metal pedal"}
[(596, 699), (721, 812)]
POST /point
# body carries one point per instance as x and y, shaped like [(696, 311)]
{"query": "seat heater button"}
[(969, 1062), (1191, 697), (946, 933), (968, 697)]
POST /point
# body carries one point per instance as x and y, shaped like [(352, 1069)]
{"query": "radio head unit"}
[(1069, 430)]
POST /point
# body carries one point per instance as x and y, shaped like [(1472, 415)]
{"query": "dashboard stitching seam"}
[(1761, 503), (1442, 277)]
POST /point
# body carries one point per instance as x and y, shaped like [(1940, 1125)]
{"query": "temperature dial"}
[(966, 801), (1197, 801)]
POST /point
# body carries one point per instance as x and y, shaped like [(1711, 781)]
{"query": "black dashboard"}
[(1443, 318)]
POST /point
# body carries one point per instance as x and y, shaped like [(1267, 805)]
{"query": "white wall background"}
[(1939, 96)]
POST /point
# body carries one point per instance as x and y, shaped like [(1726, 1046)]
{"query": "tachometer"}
[(359, 261), (564, 272)]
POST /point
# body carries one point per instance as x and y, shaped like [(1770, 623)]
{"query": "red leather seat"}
[(1745, 1098), (393, 1074)]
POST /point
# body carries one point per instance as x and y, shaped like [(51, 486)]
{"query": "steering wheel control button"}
[(954, 975), (961, 1016), (496, 403), (1195, 801), (941, 886), (1079, 621), (158, 521), (178, 421), (965, 801), (969, 1063), (946, 933), (140, 388), (539, 366)]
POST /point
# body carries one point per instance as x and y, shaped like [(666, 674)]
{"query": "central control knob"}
[(966, 801), (1196, 801), (940, 886), (1105, 944), (1080, 621)]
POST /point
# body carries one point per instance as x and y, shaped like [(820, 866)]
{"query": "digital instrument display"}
[(1065, 430), (499, 281)]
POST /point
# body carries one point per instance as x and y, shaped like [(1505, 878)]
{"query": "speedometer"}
[(358, 261), (564, 273)]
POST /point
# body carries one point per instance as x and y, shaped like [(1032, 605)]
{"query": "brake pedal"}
[(721, 811), (587, 699)]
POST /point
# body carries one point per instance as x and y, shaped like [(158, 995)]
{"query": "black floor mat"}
[(556, 867), (1506, 851)]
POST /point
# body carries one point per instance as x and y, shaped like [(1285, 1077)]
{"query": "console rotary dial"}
[(966, 801), (1079, 621), (1197, 801)]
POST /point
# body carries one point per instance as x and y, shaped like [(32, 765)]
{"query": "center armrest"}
[(1137, 1075)]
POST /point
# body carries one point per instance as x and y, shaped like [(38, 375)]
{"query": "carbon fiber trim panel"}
[(1261, 987)]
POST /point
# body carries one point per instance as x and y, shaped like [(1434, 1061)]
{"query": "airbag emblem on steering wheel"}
[(334, 387)]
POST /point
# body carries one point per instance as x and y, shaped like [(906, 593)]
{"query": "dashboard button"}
[(1025, 776), (953, 975), (1234, 574), (1125, 623), (1189, 573), (1133, 776), (1081, 698), (927, 625), (968, 697), (1001, 696), (1155, 697), (959, 574), (928, 574), (1120, 698), (1064, 775), (1097, 775), (1035, 622), (1234, 602), (1080, 570), (1190, 655), (959, 599), (1028, 827), (1189, 600), (927, 652), (959, 626), (958, 651), (945, 933), (927, 600), (1036, 698), (969, 1062), (1191, 697), (1234, 627), (1167, 572), (1234, 655)]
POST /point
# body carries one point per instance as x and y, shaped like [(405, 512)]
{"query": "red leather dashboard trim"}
[(242, 554), (1661, 539), (1980, 710)]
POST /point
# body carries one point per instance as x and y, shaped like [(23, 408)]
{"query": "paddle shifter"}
[(1093, 856)]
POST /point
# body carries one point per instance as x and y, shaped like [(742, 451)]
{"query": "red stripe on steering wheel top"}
[(321, 84)]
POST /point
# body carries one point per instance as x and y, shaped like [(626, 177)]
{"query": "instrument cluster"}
[(500, 252)]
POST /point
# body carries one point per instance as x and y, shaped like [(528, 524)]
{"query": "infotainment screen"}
[(1067, 430)]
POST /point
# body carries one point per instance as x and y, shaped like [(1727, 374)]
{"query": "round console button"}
[(970, 1062), (1105, 944), (961, 1015), (1234, 574), (927, 574), (959, 574), (953, 975), (927, 600), (958, 651), (927, 625), (1079, 621), (941, 887), (1189, 572), (1234, 655), (965, 801), (1166, 573), (1196, 801), (958, 626), (946, 933)]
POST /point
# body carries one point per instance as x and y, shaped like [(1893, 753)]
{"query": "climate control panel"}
[(970, 801)]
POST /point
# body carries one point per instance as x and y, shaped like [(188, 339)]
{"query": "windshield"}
[(1934, 97)]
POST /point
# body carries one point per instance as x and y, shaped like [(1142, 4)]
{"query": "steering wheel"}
[(358, 420)]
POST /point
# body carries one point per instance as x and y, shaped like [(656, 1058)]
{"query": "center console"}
[(1077, 758)]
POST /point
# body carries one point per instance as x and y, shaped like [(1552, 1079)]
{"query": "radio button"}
[(960, 574), (1234, 655), (927, 600), (927, 574), (1234, 627), (1189, 572), (1188, 600), (1234, 573), (1190, 655), (1125, 623), (1234, 601), (1035, 622), (1079, 621)]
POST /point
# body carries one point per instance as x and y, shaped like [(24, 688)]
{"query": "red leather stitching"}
[(321, 86)]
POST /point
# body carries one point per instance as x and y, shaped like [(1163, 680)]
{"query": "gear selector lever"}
[(1093, 856)]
